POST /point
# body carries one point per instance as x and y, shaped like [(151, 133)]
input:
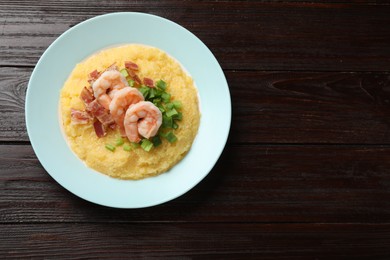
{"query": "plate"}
[(83, 40)]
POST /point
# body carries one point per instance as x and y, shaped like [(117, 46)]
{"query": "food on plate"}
[(130, 112)]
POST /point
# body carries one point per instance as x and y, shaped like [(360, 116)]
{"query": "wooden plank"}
[(196, 241), (13, 86), (294, 107), (242, 35), (270, 183), (268, 107)]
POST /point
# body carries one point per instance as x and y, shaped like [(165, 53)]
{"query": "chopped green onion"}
[(156, 141), (169, 105), (167, 121), (161, 108), (124, 73), (177, 104), (171, 137), (119, 141), (110, 147), (144, 91), (158, 92), (171, 112), (175, 126), (152, 93), (146, 145), (178, 116), (130, 82), (126, 147), (166, 97), (157, 101), (161, 84)]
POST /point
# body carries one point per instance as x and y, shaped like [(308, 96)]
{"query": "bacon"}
[(100, 113), (134, 76), (137, 79), (87, 95), (93, 107), (112, 126), (131, 66), (131, 73), (79, 117), (99, 129), (105, 118), (149, 82), (93, 76)]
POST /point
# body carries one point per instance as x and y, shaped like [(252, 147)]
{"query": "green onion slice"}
[(161, 84), (126, 147), (131, 82), (171, 112), (156, 141), (177, 104), (124, 73), (169, 105), (110, 147), (146, 145), (161, 108), (167, 121), (144, 91), (178, 116), (152, 93), (119, 141), (171, 137), (166, 97)]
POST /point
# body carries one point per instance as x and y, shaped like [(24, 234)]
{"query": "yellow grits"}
[(137, 163)]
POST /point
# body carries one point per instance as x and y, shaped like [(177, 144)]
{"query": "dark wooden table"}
[(305, 172)]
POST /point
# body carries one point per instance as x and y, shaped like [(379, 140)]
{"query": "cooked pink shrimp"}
[(120, 102), (142, 118), (108, 81)]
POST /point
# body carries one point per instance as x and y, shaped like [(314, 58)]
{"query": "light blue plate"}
[(88, 37)]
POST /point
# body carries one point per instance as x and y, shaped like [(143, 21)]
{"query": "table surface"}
[(305, 172)]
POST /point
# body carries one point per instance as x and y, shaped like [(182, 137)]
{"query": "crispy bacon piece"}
[(93, 76), (105, 118), (93, 107), (149, 82), (86, 95), (131, 66), (79, 117), (137, 79), (131, 72), (132, 69), (100, 113), (112, 126), (99, 129)]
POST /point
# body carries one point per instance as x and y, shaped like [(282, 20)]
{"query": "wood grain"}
[(268, 107), (196, 241), (13, 86), (268, 184), (243, 35)]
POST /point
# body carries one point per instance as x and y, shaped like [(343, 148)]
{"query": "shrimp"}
[(121, 100), (110, 80), (144, 119)]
